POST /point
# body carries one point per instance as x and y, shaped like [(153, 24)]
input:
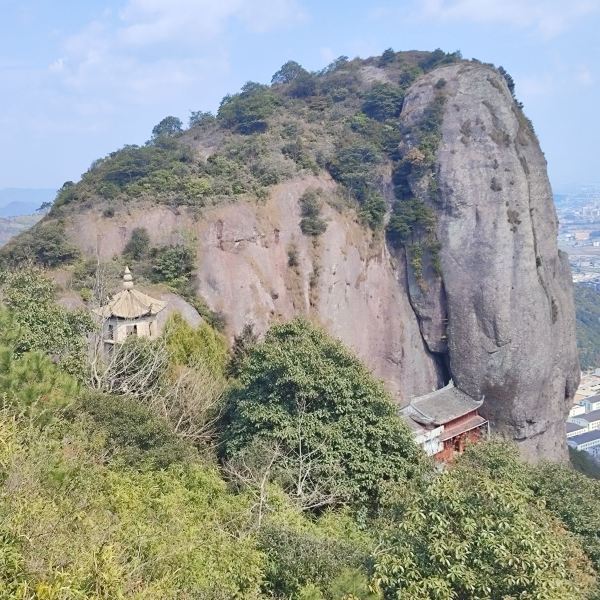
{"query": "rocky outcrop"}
[(508, 291), (499, 320)]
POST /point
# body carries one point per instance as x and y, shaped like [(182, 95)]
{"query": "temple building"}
[(129, 313), (444, 421)]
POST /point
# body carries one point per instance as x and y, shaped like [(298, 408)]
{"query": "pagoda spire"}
[(127, 279)]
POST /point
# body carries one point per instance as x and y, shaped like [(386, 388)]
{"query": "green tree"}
[(190, 346), (39, 323), (387, 57), (304, 393), (575, 499), (354, 166), (33, 384), (288, 72), (477, 533), (199, 118), (133, 433), (46, 245), (248, 112), (97, 528), (169, 126), (373, 210), (138, 245), (172, 264), (240, 349), (383, 101), (410, 220)]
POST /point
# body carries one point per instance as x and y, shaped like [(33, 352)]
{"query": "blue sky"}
[(80, 79)]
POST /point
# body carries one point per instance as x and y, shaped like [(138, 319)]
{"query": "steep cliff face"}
[(495, 314), (345, 280), (508, 291)]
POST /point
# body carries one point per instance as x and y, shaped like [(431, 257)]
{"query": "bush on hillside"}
[(46, 245), (354, 167), (172, 264), (475, 533), (311, 222), (383, 101), (134, 433), (248, 112), (191, 346), (39, 323), (138, 246), (169, 126)]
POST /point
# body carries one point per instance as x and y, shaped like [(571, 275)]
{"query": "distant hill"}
[(12, 226), (16, 202)]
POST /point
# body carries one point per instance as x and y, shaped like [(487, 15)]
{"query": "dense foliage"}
[(307, 396), (478, 531), (322, 493), (37, 323)]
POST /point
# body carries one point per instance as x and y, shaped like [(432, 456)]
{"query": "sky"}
[(81, 79)]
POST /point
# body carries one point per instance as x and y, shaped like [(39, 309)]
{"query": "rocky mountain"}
[(401, 201)]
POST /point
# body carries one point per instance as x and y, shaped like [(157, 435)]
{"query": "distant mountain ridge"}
[(16, 202)]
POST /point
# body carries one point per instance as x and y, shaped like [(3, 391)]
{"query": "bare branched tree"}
[(191, 400), (135, 368), (253, 472), (308, 483)]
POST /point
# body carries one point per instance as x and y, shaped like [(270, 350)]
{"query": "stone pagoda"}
[(129, 313)]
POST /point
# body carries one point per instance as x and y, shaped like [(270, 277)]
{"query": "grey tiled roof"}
[(441, 406)]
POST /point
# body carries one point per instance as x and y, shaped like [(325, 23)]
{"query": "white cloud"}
[(584, 76), (152, 49), (147, 22), (545, 17)]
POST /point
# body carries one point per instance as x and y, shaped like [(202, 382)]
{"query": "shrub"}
[(310, 208), (240, 349), (138, 245), (372, 210), (410, 220), (133, 432), (38, 323), (293, 257), (288, 72), (248, 111), (32, 384), (354, 167), (46, 245), (96, 529), (199, 118), (478, 534), (383, 101), (324, 555), (172, 264), (191, 346), (388, 56)]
